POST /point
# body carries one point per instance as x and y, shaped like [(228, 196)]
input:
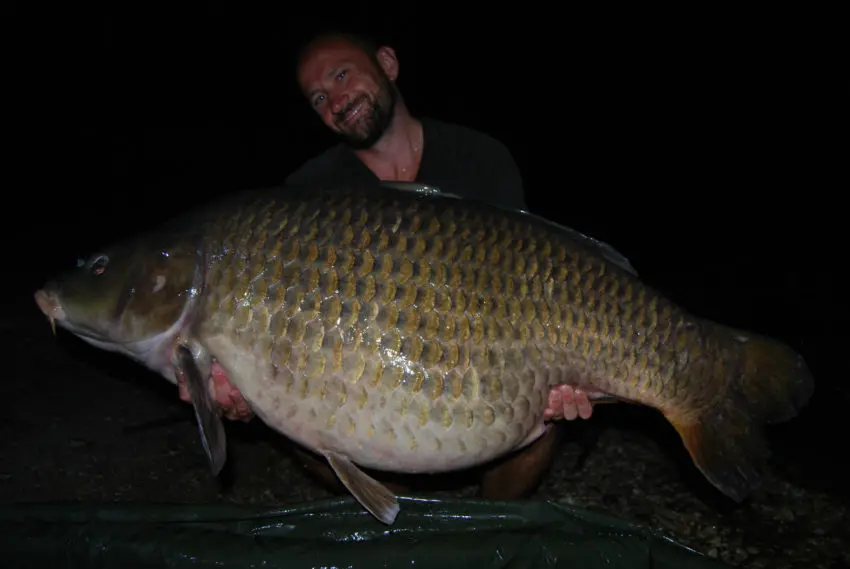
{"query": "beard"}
[(375, 116)]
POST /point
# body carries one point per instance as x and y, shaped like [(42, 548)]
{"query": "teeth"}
[(353, 113)]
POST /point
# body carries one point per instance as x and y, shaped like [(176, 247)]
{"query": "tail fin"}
[(725, 440)]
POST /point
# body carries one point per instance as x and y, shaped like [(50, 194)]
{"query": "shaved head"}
[(328, 37)]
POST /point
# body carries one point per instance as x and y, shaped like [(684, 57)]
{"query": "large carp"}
[(416, 332)]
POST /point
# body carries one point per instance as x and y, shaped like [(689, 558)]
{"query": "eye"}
[(97, 265), (340, 76)]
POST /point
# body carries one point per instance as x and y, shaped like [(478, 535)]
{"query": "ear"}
[(388, 62)]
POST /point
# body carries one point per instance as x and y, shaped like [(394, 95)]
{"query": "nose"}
[(338, 102)]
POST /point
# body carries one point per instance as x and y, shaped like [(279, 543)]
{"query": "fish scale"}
[(413, 333), (418, 333)]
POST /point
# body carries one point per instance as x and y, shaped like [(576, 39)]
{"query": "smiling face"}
[(352, 92)]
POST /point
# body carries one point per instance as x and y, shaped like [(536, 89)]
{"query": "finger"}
[(240, 406), (569, 407), (221, 392), (182, 387), (585, 408), (553, 411)]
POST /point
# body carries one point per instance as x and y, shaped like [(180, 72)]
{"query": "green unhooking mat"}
[(333, 533)]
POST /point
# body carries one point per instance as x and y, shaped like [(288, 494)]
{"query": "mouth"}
[(50, 307), (353, 113)]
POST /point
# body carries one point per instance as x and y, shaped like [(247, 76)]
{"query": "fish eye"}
[(97, 266)]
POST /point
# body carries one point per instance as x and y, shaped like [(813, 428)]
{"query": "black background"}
[(707, 146)]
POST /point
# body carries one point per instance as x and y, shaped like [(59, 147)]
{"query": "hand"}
[(567, 402), (231, 404)]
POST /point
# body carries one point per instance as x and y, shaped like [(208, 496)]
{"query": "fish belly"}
[(383, 423)]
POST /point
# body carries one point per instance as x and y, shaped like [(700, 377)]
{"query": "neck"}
[(396, 155)]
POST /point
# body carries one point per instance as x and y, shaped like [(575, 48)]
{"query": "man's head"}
[(349, 82)]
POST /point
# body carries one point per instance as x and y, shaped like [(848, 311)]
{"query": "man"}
[(350, 83)]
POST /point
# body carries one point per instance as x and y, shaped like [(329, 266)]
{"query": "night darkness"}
[(709, 148)]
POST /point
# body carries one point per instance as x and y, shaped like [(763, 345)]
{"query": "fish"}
[(417, 332)]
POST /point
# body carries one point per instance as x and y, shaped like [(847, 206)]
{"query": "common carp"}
[(418, 332)]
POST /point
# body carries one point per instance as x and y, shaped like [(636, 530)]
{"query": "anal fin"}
[(210, 426), (373, 495)]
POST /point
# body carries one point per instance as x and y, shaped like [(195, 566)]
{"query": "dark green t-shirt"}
[(456, 159)]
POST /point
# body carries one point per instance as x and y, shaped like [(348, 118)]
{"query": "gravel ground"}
[(84, 425)]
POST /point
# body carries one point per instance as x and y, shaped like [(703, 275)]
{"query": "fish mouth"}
[(48, 302), (50, 306)]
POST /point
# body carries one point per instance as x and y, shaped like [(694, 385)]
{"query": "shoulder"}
[(464, 136), (470, 147), (484, 167), (317, 167)]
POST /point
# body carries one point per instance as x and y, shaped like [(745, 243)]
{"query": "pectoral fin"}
[(209, 423), (373, 495)]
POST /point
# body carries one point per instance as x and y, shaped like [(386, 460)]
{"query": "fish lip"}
[(47, 299), (49, 304)]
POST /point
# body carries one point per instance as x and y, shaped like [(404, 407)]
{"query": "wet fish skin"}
[(422, 333)]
